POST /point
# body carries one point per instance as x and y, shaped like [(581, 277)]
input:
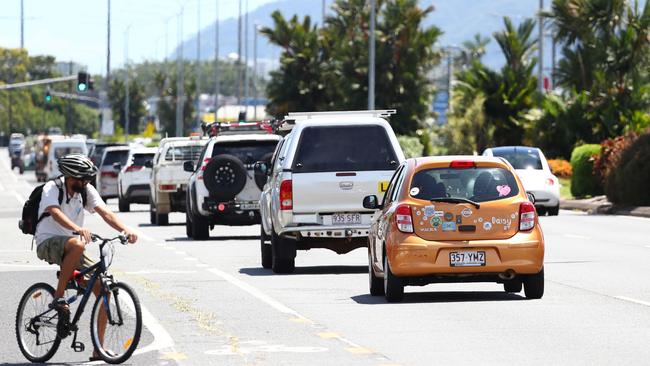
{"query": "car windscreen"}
[(476, 184), (183, 153), (344, 148), (248, 152), (115, 157), (140, 159), (62, 151), (520, 158)]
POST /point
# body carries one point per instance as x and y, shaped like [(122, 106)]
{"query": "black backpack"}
[(30, 218)]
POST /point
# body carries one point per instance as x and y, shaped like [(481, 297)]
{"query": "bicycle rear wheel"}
[(124, 326), (36, 333)]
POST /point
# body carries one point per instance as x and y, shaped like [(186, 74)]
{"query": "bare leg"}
[(73, 250), (102, 318)]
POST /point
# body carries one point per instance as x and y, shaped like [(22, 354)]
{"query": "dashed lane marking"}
[(629, 299), (174, 356)]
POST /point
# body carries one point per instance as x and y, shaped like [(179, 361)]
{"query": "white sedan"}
[(534, 172)]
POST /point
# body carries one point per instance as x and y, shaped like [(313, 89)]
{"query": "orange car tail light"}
[(526, 216), (462, 164), (403, 218), (286, 195)]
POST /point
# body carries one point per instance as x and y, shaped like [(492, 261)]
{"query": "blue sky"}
[(76, 29)]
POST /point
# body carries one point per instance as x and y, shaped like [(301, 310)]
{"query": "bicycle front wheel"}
[(116, 323), (36, 324)]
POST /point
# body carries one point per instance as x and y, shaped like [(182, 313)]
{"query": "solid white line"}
[(640, 302), (161, 339), (256, 293)]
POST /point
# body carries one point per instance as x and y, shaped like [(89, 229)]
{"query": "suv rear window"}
[(520, 158), (62, 151), (183, 153), (140, 159), (248, 152), (478, 185), (344, 148), (115, 157)]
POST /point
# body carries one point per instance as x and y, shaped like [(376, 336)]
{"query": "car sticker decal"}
[(418, 213), (480, 219), (439, 213), (503, 190), (449, 216), (459, 219), (429, 210), (467, 212), (414, 191), (435, 222), (449, 226), (501, 221), (487, 226)]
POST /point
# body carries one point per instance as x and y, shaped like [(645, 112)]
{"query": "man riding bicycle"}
[(56, 243)]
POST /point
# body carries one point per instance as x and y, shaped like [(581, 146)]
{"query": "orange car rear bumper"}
[(413, 256)]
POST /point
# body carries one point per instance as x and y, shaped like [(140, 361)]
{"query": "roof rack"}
[(367, 113), (235, 128)]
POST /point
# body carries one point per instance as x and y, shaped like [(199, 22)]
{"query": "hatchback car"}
[(533, 170), (455, 219), (107, 177), (133, 178)]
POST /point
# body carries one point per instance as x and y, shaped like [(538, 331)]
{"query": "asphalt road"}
[(210, 302)]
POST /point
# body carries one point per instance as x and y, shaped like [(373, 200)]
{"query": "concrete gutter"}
[(599, 205)]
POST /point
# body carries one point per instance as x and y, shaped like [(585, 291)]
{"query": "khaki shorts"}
[(52, 250)]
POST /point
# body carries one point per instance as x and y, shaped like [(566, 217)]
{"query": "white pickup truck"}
[(168, 179)]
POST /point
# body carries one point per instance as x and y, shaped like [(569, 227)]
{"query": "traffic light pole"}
[(27, 84)]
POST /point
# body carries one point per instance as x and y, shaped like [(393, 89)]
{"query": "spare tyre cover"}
[(225, 176)]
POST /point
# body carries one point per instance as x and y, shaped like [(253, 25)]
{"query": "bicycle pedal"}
[(78, 346)]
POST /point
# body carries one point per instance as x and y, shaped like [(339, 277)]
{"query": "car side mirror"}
[(262, 168), (148, 164), (117, 166), (371, 203), (188, 166), (531, 197)]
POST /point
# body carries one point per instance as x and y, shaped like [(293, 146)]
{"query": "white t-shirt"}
[(73, 209)]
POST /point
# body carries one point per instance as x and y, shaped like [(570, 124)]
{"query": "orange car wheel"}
[(376, 283), (393, 286), (534, 285)]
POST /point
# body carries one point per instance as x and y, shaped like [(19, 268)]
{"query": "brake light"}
[(134, 168), (462, 164), (403, 218), (527, 216), (109, 174), (550, 181), (286, 195), (167, 187), (205, 163)]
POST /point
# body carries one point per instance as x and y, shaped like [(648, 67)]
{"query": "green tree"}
[(137, 112), (167, 97)]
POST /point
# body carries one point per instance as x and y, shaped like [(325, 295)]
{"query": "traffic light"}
[(48, 96), (82, 81)]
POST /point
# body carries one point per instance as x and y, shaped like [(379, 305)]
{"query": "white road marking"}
[(640, 302), (159, 272), (161, 339), (256, 293), (637, 218), (575, 236), (142, 235)]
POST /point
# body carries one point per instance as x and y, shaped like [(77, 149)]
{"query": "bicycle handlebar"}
[(122, 238)]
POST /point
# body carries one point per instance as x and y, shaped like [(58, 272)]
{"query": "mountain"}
[(458, 19)]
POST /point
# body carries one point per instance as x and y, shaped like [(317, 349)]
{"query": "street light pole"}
[(217, 84), (257, 28), (198, 63), (540, 73), (371, 61), (239, 56), (22, 25), (126, 84), (179, 78), (246, 81)]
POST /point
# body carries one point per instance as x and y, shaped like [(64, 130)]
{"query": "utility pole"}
[(108, 47), (198, 63), (217, 84), (246, 81), (22, 25), (238, 66), (68, 117), (323, 15), (371, 61), (179, 78), (540, 74), (257, 28), (127, 96)]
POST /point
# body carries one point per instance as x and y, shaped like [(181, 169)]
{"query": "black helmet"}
[(77, 166)]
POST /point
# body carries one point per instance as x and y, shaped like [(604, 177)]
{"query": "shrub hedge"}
[(560, 168), (628, 184), (583, 181)]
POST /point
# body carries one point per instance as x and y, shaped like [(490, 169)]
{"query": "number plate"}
[(346, 219), (250, 206), (467, 259)]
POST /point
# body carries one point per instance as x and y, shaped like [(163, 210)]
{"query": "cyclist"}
[(56, 243)]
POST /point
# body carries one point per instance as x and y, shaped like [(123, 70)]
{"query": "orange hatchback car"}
[(455, 219)]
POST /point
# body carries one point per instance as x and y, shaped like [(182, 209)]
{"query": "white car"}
[(106, 181), (168, 181), (318, 178), (534, 172), (133, 179), (59, 148), (224, 188)]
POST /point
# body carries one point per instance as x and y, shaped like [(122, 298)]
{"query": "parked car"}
[(97, 151), (59, 148), (16, 143), (223, 188), (106, 181), (318, 178), (533, 170), (168, 182), (133, 178), (455, 219)]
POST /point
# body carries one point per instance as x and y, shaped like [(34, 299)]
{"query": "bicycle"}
[(39, 334)]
